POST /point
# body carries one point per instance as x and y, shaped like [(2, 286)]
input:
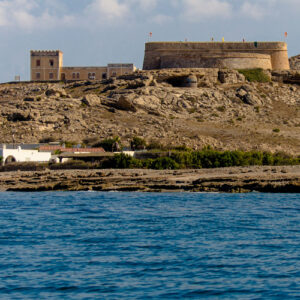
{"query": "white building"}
[(22, 155)]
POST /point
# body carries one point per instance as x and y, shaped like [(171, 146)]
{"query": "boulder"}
[(125, 103), (247, 95), (55, 92), (91, 100), (230, 77)]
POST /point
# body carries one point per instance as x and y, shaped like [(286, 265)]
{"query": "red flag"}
[(286, 34), (150, 34)]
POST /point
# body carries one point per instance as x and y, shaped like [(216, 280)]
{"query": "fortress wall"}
[(227, 60), (212, 54)]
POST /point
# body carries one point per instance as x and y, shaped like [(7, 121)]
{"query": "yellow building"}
[(48, 66)]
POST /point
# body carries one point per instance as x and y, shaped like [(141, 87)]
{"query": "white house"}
[(22, 155)]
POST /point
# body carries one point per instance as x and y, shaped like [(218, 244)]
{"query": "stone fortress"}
[(48, 66), (230, 55)]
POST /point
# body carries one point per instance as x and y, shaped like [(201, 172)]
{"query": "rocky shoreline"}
[(282, 179)]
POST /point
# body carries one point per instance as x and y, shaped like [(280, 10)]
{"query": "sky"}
[(97, 32)]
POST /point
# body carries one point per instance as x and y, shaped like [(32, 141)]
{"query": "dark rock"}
[(29, 99), (19, 116)]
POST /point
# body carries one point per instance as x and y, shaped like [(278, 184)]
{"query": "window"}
[(38, 63), (51, 76), (38, 75), (104, 76), (114, 74), (78, 75), (51, 61), (74, 76), (91, 76)]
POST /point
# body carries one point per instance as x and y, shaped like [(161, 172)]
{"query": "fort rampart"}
[(232, 55)]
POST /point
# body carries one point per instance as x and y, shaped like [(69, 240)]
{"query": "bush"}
[(121, 161), (164, 163), (73, 165), (155, 145), (276, 130), (47, 140), (23, 166), (255, 75), (69, 144), (138, 143), (110, 144)]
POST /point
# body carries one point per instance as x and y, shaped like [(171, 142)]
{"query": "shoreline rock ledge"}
[(280, 179)]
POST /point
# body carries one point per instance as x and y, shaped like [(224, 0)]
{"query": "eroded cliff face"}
[(295, 62), (221, 109)]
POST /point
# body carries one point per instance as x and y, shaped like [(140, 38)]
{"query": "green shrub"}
[(69, 144), (23, 166), (276, 130), (121, 161), (164, 163), (255, 75), (73, 165), (110, 144), (155, 145), (138, 143)]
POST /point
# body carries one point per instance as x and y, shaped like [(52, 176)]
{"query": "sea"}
[(94, 245)]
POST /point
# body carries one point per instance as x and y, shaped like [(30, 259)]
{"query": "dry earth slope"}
[(224, 110)]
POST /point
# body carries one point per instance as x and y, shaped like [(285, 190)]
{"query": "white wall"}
[(21, 155)]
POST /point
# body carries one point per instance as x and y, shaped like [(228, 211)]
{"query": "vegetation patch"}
[(255, 75)]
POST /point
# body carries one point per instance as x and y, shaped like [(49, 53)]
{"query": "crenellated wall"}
[(233, 55)]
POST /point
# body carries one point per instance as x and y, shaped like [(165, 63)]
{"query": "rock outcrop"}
[(247, 179), (220, 109)]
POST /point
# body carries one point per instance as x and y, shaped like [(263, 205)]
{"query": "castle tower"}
[(46, 65)]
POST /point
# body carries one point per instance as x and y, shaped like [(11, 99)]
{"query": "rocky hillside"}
[(224, 110), (295, 62)]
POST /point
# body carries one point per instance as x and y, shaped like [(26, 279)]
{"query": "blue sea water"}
[(90, 245)]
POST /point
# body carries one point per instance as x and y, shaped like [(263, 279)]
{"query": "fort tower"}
[(231, 55), (46, 65)]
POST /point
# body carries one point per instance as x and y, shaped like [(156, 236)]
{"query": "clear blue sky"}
[(97, 32)]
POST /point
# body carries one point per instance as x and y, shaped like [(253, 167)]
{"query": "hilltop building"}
[(231, 55), (48, 66)]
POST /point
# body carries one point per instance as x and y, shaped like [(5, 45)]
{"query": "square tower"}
[(46, 65)]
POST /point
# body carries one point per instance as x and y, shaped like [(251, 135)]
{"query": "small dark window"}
[(104, 76), (78, 75), (51, 62), (91, 76), (50, 75), (38, 63), (114, 74), (38, 75), (74, 76)]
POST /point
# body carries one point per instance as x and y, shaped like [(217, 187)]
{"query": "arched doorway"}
[(10, 159)]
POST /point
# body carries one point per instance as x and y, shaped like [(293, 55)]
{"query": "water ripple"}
[(85, 245)]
